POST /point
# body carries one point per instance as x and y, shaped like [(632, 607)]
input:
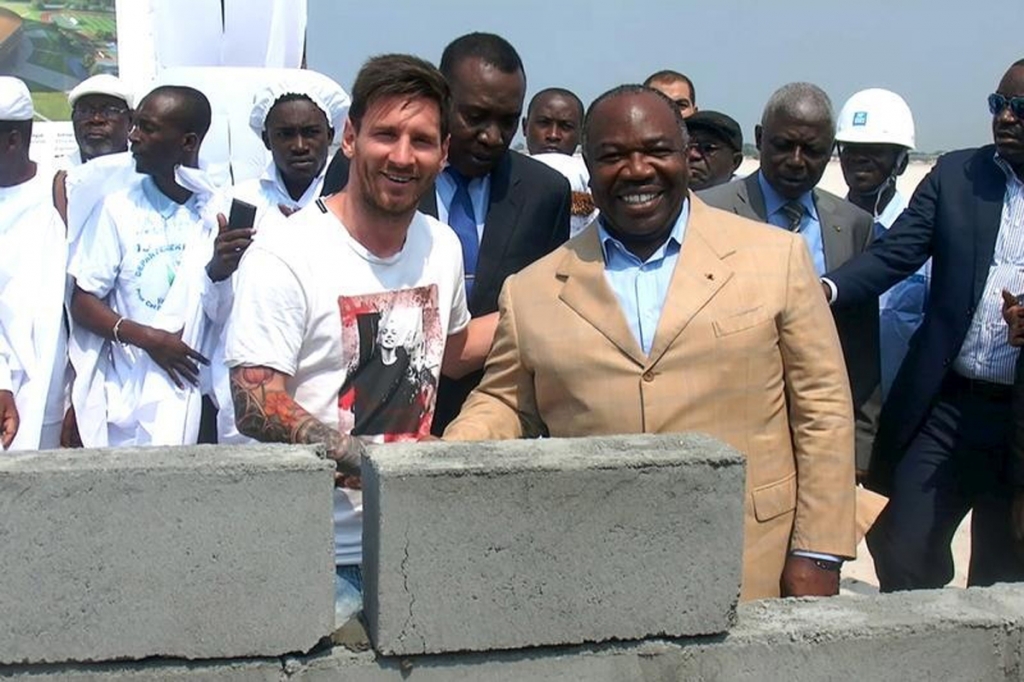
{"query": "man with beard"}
[(795, 138), (101, 114), (944, 437), (507, 209), (668, 316), (318, 304)]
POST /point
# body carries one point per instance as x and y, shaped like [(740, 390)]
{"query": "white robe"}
[(33, 285), (120, 395)]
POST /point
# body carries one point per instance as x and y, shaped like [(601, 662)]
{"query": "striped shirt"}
[(986, 354)]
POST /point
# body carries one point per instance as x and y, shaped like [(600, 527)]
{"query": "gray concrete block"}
[(201, 552), (482, 546), (248, 670)]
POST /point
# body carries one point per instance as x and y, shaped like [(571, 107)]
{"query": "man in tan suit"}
[(670, 316)]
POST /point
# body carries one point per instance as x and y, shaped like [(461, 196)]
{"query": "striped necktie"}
[(794, 212)]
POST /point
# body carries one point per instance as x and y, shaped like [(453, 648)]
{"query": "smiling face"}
[(486, 106), (553, 125), (636, 155), (396, 153), (298, 136), (867, 166), (1007, 129), (794, 152)]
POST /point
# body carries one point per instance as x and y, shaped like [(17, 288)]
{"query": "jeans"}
[(348, 593)]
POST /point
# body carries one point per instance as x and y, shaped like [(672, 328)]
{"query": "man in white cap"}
[(33, 341), (297, 117), (152, 286), (101, 113)]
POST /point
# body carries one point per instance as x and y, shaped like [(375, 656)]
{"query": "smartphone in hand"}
[(242, 215)]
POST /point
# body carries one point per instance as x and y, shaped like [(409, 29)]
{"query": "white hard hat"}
[(876, 116)]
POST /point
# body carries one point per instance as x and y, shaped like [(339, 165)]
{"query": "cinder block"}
[(481, 546), (193, 552)]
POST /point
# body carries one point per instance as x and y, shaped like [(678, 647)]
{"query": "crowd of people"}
[(429, 282)]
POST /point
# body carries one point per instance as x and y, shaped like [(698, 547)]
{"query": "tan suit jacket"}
[(745, 350)]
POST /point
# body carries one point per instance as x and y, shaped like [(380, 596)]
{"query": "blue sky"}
[(944, 57)]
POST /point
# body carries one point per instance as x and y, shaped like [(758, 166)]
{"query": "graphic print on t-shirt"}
[(395, 341)]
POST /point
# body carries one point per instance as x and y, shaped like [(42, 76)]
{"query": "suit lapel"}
[(751, 198), (499, 225), (700, 273), (587, 292), (836, 242), (987, 218)]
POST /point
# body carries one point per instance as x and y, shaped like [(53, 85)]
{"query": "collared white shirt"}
[(268, 192)]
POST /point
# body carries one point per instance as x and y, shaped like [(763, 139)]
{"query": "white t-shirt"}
[(267, 193), (361, 337), (135, 249)]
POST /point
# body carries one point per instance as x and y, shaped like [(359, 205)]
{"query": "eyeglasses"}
[(997, 102), (703, 148), (84, 112)]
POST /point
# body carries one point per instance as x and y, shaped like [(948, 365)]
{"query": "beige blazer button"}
[(648, 376)]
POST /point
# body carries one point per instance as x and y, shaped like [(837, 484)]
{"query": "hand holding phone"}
[(242, 215)]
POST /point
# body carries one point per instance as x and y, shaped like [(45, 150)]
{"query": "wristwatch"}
[(826, 565)]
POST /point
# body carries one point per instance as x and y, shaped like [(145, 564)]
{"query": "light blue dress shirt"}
[(810, 226), (642, 286), (479, 194)]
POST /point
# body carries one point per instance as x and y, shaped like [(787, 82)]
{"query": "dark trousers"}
[(958, 461)]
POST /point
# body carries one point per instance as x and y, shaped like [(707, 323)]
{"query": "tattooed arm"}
[(265, 411)]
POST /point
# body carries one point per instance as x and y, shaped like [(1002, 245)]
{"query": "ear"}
[(348, 138), (737, 160), (266, 140), (757, 136), (190, 143), (524, 126)]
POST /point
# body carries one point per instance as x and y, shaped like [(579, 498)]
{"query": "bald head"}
[(189, 109)]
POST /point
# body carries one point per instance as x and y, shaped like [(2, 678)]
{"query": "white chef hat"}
[(102, 84), (15, 100), (321, 90)]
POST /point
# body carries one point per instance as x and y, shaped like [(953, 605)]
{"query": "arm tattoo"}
[(273, 416)]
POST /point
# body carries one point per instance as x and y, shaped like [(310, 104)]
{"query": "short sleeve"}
[(459, 318), (95, 257), (268, 319)]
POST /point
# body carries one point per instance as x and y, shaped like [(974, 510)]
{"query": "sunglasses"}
[(996, 104)]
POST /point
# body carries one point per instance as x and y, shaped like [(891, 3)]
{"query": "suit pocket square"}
[(739, 322)]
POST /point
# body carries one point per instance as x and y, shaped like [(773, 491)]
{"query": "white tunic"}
[(33, 285)]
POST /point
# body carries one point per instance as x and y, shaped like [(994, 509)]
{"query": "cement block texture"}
[(483, 546), (195, 552)]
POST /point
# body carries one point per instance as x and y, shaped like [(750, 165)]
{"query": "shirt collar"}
[(773, 201), (1007, 169), (160, 202), (272, 176), (675, 238)]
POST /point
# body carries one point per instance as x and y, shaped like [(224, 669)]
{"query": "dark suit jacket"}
[(527, 218), (845, 232), (953, 217)]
